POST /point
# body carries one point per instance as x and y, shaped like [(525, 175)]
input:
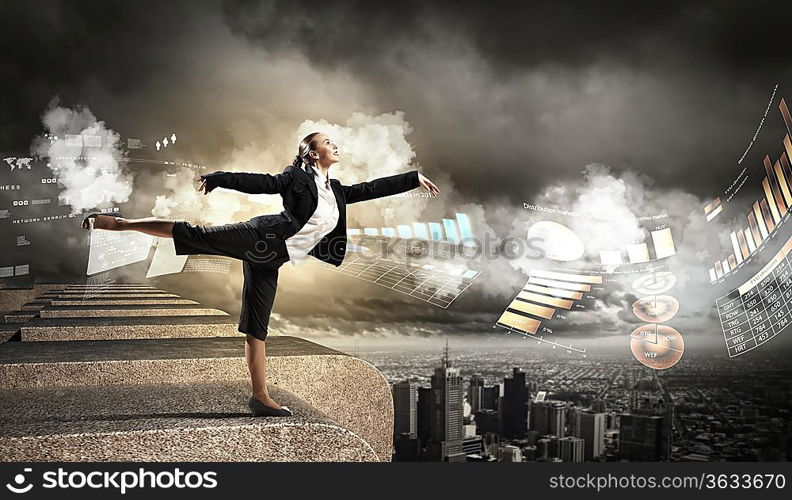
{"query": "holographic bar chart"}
[(456, 230), (767, 213)]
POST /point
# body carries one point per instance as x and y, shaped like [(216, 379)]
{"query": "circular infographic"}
[(654, 283), (559, 242), (657, 346), (656, 308)]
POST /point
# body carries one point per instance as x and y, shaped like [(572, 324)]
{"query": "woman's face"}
[(326, 151)]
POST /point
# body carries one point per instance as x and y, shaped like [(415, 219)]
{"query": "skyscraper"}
[(487, 421), (405, 409), (539, 418), (424, 414), (571, 449), (592, 430), (475, 393), (490, 396), (514, 405), (557, 418), (445, 433), (548, 417)]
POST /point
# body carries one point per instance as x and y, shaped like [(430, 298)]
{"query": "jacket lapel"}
[(311, 182), (337, 192)]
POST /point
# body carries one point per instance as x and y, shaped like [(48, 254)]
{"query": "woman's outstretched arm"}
[(387, 186), (245, 182)]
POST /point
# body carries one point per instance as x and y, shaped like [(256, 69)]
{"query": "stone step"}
[(131, 327), (120, 311), (19, 316), (348, 390), (102, 288), (117, 302), (110, 285), (35, 305), (8, 331), (113, 295), (170, 422), (105, 292)]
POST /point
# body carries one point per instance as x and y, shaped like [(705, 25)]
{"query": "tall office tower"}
[(539, 418), (557, 418), (475, 393), (445, 433), (548, 417), (592, 429), (571, 449), (640, 437), (405, 409), (573, 421), (424, 415), (487, 421), (514, 405), (490, 396)]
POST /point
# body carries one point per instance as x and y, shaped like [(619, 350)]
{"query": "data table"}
[(761, 308)]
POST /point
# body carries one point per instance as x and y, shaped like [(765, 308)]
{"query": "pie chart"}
[(657, 346), (654, 283), (656, 308), (559, 242)]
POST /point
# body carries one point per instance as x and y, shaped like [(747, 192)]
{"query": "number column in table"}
[(779, 303), (761, 316), (735, 322)]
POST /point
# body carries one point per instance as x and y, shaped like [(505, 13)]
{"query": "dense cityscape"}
[(521, 405)]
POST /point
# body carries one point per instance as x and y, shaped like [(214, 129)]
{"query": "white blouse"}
[(323, 220)]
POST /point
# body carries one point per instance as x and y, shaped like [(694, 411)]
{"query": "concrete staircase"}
[(143, 375)]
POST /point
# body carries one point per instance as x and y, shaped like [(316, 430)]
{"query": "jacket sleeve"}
[(246, 182), (379, 188)]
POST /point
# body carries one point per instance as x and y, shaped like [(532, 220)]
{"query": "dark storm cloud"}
[(61, 48), (505, 98), (665, 88), (513, 34)]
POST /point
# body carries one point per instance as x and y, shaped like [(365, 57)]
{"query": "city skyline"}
[(612, 411)]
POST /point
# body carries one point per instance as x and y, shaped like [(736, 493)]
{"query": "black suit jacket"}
[(300, 198)]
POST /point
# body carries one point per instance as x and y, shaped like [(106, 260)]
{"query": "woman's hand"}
[(202, 187), (427, 184)]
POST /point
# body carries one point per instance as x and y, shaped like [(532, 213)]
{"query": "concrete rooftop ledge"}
[(347, 390), (173, 422)]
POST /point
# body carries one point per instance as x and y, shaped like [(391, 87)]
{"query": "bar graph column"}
[(770, 202), (451, 230)]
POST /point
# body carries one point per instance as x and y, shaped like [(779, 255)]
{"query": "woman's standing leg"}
[(256, 355), (258, 296)]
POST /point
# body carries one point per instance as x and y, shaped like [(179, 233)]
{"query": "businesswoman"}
[(313, 222)]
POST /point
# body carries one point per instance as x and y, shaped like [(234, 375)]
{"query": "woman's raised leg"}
[(149, 225)]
